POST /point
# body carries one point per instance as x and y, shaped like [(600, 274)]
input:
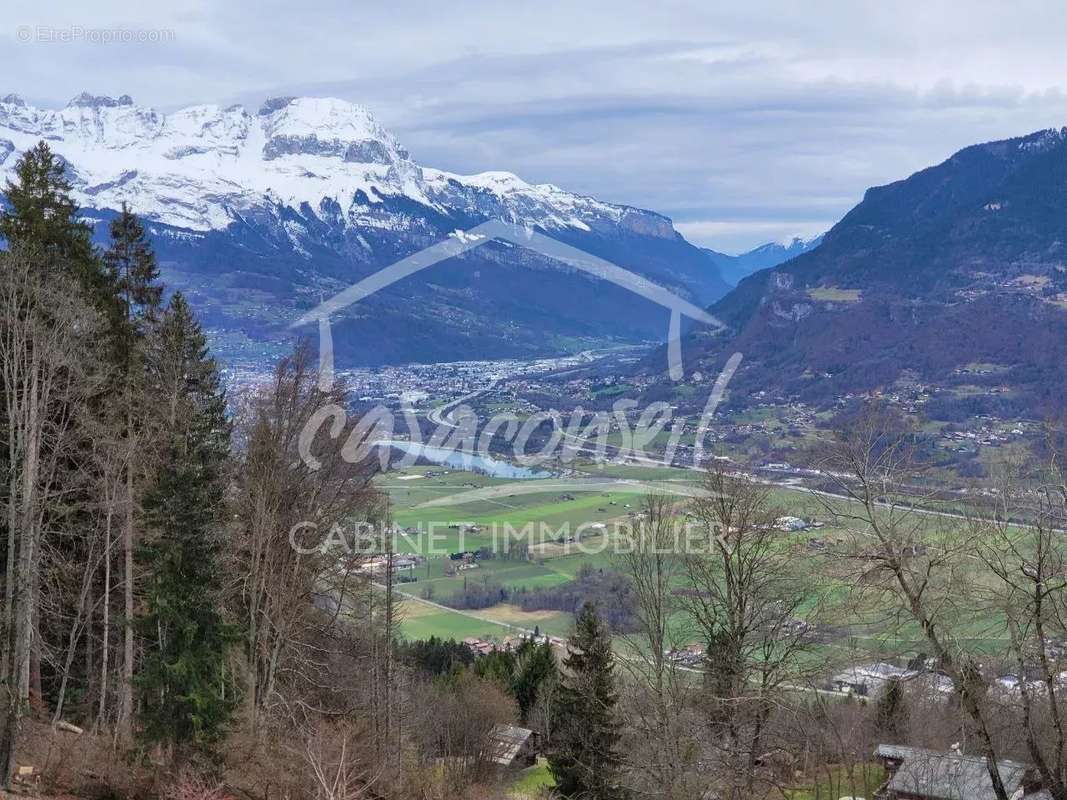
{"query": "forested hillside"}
[(960, 264)]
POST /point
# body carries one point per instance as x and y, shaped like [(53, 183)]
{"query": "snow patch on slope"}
[(203, 167)]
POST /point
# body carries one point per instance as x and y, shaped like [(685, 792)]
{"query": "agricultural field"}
[(447, 511), (421, 621), (833, 294)]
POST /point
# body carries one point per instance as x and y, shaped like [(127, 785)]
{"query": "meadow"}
[(449, 511)]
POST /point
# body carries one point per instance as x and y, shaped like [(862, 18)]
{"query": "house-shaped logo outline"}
[(497, 230)]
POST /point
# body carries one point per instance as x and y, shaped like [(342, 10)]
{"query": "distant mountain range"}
[(260, 214), (735, 268), (955, 277)]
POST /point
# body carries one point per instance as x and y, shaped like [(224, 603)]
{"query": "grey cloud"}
[(742, 123)]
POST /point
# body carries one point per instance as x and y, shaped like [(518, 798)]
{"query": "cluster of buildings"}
[(462, 561), (587, 388), (378, 566), (989, 433), (414, 384), (418, 384), (484, 647), (481, 647), (692, 655), (870, 680)]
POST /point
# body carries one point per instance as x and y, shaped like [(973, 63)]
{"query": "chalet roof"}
[(507, 742), (948, 776), (862, 674)]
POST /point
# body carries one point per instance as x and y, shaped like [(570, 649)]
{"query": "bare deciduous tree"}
[(660, 751), (46, 333), (287, 586), (457, 717), (1019, 541), (745, 603), (916, 559), (339, 770)]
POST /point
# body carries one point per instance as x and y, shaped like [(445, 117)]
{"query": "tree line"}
[(116, 443), (608, 590), (150, 592)]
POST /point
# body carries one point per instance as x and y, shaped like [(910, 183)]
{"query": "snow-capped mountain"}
[(201, 167), (735, 268), (260, 213)]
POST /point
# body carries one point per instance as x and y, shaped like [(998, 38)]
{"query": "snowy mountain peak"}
[(327, 160), (258, 213), (88, 121), (96, 101), (326, 126), (736, 268)]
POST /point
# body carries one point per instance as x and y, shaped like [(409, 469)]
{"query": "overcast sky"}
[(745, 121)]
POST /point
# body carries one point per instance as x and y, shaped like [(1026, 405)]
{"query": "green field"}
[(863, 780), (420, 621), (531, 781), (435, 502), (463, 497), (440, 503)]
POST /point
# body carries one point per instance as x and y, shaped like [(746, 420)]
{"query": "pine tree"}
[(892, 712), (534, 664), (42, 215), (132, 274), (583, 755), (181, 683), (497, 666)]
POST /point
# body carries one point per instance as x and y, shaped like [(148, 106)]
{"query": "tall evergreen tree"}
[(521, 672), (534, 665), (181, 682), (583, 755), (43, 215), (132, 274), (891, 712), (132, 271)]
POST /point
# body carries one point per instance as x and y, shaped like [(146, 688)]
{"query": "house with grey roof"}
[(914, 773), (868, 680), (512, 746)]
